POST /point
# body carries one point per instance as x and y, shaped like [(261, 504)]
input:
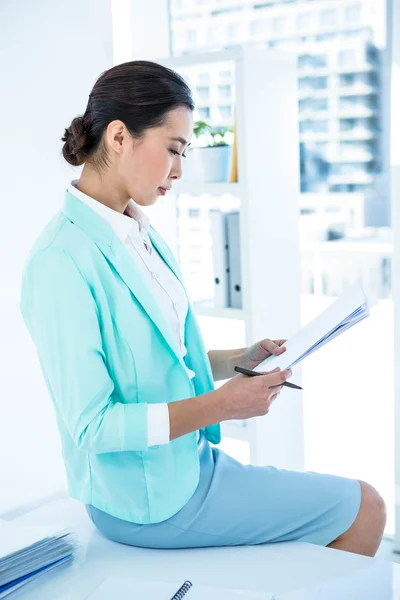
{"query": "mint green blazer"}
[(106, 352)]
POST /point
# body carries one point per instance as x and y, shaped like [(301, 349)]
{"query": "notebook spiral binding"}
[(183, 590)]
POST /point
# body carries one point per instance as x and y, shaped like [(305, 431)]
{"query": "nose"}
[(176, 171)]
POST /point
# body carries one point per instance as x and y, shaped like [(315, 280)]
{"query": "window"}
[(347, 57), (315, 62), (323, 37), (214, 34), (303, 21), (314, 126), (328, 18), (204, 77), (348, 124), (303, 61), (225, 111), (320, 103), (204, 112), (258, 27), (316, 104), (347, 80), (233, 31), (225, 91), (319, 83), (278, 24), (320, 60), (372, 54), (315, 83), (353, 13), (320, 126), (349, 102), (203, 92), (191, 36)]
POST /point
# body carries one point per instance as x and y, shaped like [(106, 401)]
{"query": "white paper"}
[(347, 310), (126, 589), (15, 537)]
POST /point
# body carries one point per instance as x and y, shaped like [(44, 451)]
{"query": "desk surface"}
[(278, 568)]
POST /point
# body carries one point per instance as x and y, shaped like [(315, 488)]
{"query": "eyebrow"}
[(181, 140)]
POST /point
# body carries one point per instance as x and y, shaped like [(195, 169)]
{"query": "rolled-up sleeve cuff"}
[(158, 427)]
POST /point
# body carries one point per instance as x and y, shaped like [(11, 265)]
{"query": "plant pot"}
[(209, 164)]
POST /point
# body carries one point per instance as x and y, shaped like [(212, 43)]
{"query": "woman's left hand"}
[(255, 354)]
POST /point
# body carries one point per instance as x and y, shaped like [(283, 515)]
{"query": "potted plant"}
[(211, 156)]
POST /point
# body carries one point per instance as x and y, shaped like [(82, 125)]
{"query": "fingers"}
[(278, 377), (279, 347), (273, 346)]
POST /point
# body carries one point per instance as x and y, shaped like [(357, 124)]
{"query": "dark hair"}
[(140, 93)]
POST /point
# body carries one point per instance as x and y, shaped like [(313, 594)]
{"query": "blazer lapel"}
[(171, 261), (165, 252), (118, 256)]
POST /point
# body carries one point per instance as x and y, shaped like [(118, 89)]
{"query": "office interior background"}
[(344, 55)]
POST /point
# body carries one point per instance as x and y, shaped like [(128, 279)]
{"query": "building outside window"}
[(344, 167)]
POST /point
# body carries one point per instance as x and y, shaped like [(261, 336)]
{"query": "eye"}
[(174, 152)]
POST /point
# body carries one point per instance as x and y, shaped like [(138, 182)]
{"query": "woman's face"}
[(155, 161)]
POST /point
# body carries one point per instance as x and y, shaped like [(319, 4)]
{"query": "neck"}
[(104, 190)]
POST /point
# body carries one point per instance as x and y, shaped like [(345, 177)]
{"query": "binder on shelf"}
[(235, 274), (220, 258)]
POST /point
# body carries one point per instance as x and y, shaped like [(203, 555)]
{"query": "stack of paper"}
[(28, 552), (350, 308)]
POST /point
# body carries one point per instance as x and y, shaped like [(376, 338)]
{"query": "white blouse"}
[(132, 229)]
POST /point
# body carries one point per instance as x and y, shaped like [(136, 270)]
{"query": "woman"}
[(125, 364)]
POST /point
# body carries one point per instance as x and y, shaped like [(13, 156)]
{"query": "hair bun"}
[(74, 149)]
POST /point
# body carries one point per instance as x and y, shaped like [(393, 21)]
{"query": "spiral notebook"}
[(127, 589)]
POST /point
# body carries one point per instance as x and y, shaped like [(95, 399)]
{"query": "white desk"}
[(276, 567)]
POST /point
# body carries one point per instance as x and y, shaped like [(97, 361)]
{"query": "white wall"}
[(52, 52)]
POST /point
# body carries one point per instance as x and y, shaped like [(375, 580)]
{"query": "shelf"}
[(213, 189), (206, 309)]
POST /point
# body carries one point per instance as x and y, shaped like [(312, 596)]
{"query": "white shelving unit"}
[(268, 188)]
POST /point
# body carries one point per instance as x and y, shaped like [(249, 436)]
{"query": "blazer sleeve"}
[(62, 317)]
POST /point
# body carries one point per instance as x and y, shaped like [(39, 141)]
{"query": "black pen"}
[(285, 383)]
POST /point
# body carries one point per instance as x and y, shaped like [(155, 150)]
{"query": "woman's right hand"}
[(246, 396)]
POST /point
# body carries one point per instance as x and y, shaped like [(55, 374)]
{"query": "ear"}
[(117, 135)]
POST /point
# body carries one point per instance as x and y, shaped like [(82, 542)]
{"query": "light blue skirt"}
[(236, 504)]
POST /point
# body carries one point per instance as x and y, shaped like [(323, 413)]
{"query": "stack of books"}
[(27, 553)]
